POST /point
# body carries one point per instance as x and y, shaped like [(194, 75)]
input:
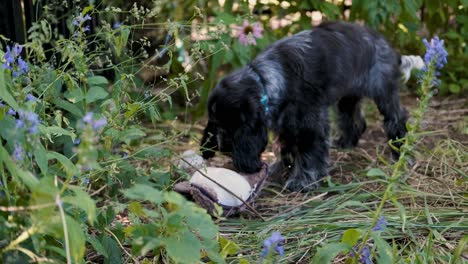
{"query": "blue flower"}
[(381, 224), (23, 66), (436, 52), (30, 120), (80, 19), (365, 255), (30, 98), (17, 49), (11, 112), (117, 25), (86, 28), (9, 57), (18, 153), (88, 118), (98, 124), (1, 104), (77, 142), (275, 241)]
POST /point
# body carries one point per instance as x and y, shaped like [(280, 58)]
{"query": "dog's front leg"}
[(307, 151)]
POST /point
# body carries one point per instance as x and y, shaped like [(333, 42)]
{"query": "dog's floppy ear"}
[(209, 143), (249, 141)]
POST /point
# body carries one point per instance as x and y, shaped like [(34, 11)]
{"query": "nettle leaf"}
[(351, 237), (144, 192), (68, 166), (98, 80), (96, 93), (5, 94), (384, 250), (40, 154), (328, 252), (77, 239), (97, 245), (55, 131), (69, 107), (25, 176), (132, 134), (113, 251), (82, 200), (185, 248)]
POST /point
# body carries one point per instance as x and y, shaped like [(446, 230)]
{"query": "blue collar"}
[(264, 97)]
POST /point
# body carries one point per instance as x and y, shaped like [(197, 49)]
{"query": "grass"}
[(427, 228)]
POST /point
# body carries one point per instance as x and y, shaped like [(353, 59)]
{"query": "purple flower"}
[(23, 66), (436, 52), (18, 153), (275, 241), (365, 255), (30, 98), (117, 25), (9, 56), (86, 28), (17, 49), (85, 180), (88, 118), (248, 33), (98, 124), (30, 120), (80, 19), (77, 142), (11, 112), (380, 225)]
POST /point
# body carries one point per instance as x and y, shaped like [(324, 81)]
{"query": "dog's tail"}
[(409, 62)]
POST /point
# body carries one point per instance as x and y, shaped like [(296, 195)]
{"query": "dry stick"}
[(226, 189), (296, 206)]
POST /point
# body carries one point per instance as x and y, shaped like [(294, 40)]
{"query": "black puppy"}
[(288, 89)]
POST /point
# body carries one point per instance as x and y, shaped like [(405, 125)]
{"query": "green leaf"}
[(40, 154), (96, 93), (454, 88), (5, 94), (97, 245), (351, 237), (68, 166), (69, 107), (384, 250), (328, 252), (76, 238), (87, 9), (82, 200), (25, 176), (144, 192), (55, 131), (98, 80), (152, 152), (114, 253), (376, 172), (228, 247), (132, 133), (185, 248)]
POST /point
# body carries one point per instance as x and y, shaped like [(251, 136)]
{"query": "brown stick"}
[(226, 189)]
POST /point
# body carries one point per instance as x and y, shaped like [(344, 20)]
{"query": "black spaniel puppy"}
[(288, 89)]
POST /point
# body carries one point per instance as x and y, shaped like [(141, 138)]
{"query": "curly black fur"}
[(336, 63)]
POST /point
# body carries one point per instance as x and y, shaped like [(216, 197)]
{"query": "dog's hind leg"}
[(351, 122), (395, 116)]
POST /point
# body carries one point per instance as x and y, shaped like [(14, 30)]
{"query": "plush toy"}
[(208, 186)]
